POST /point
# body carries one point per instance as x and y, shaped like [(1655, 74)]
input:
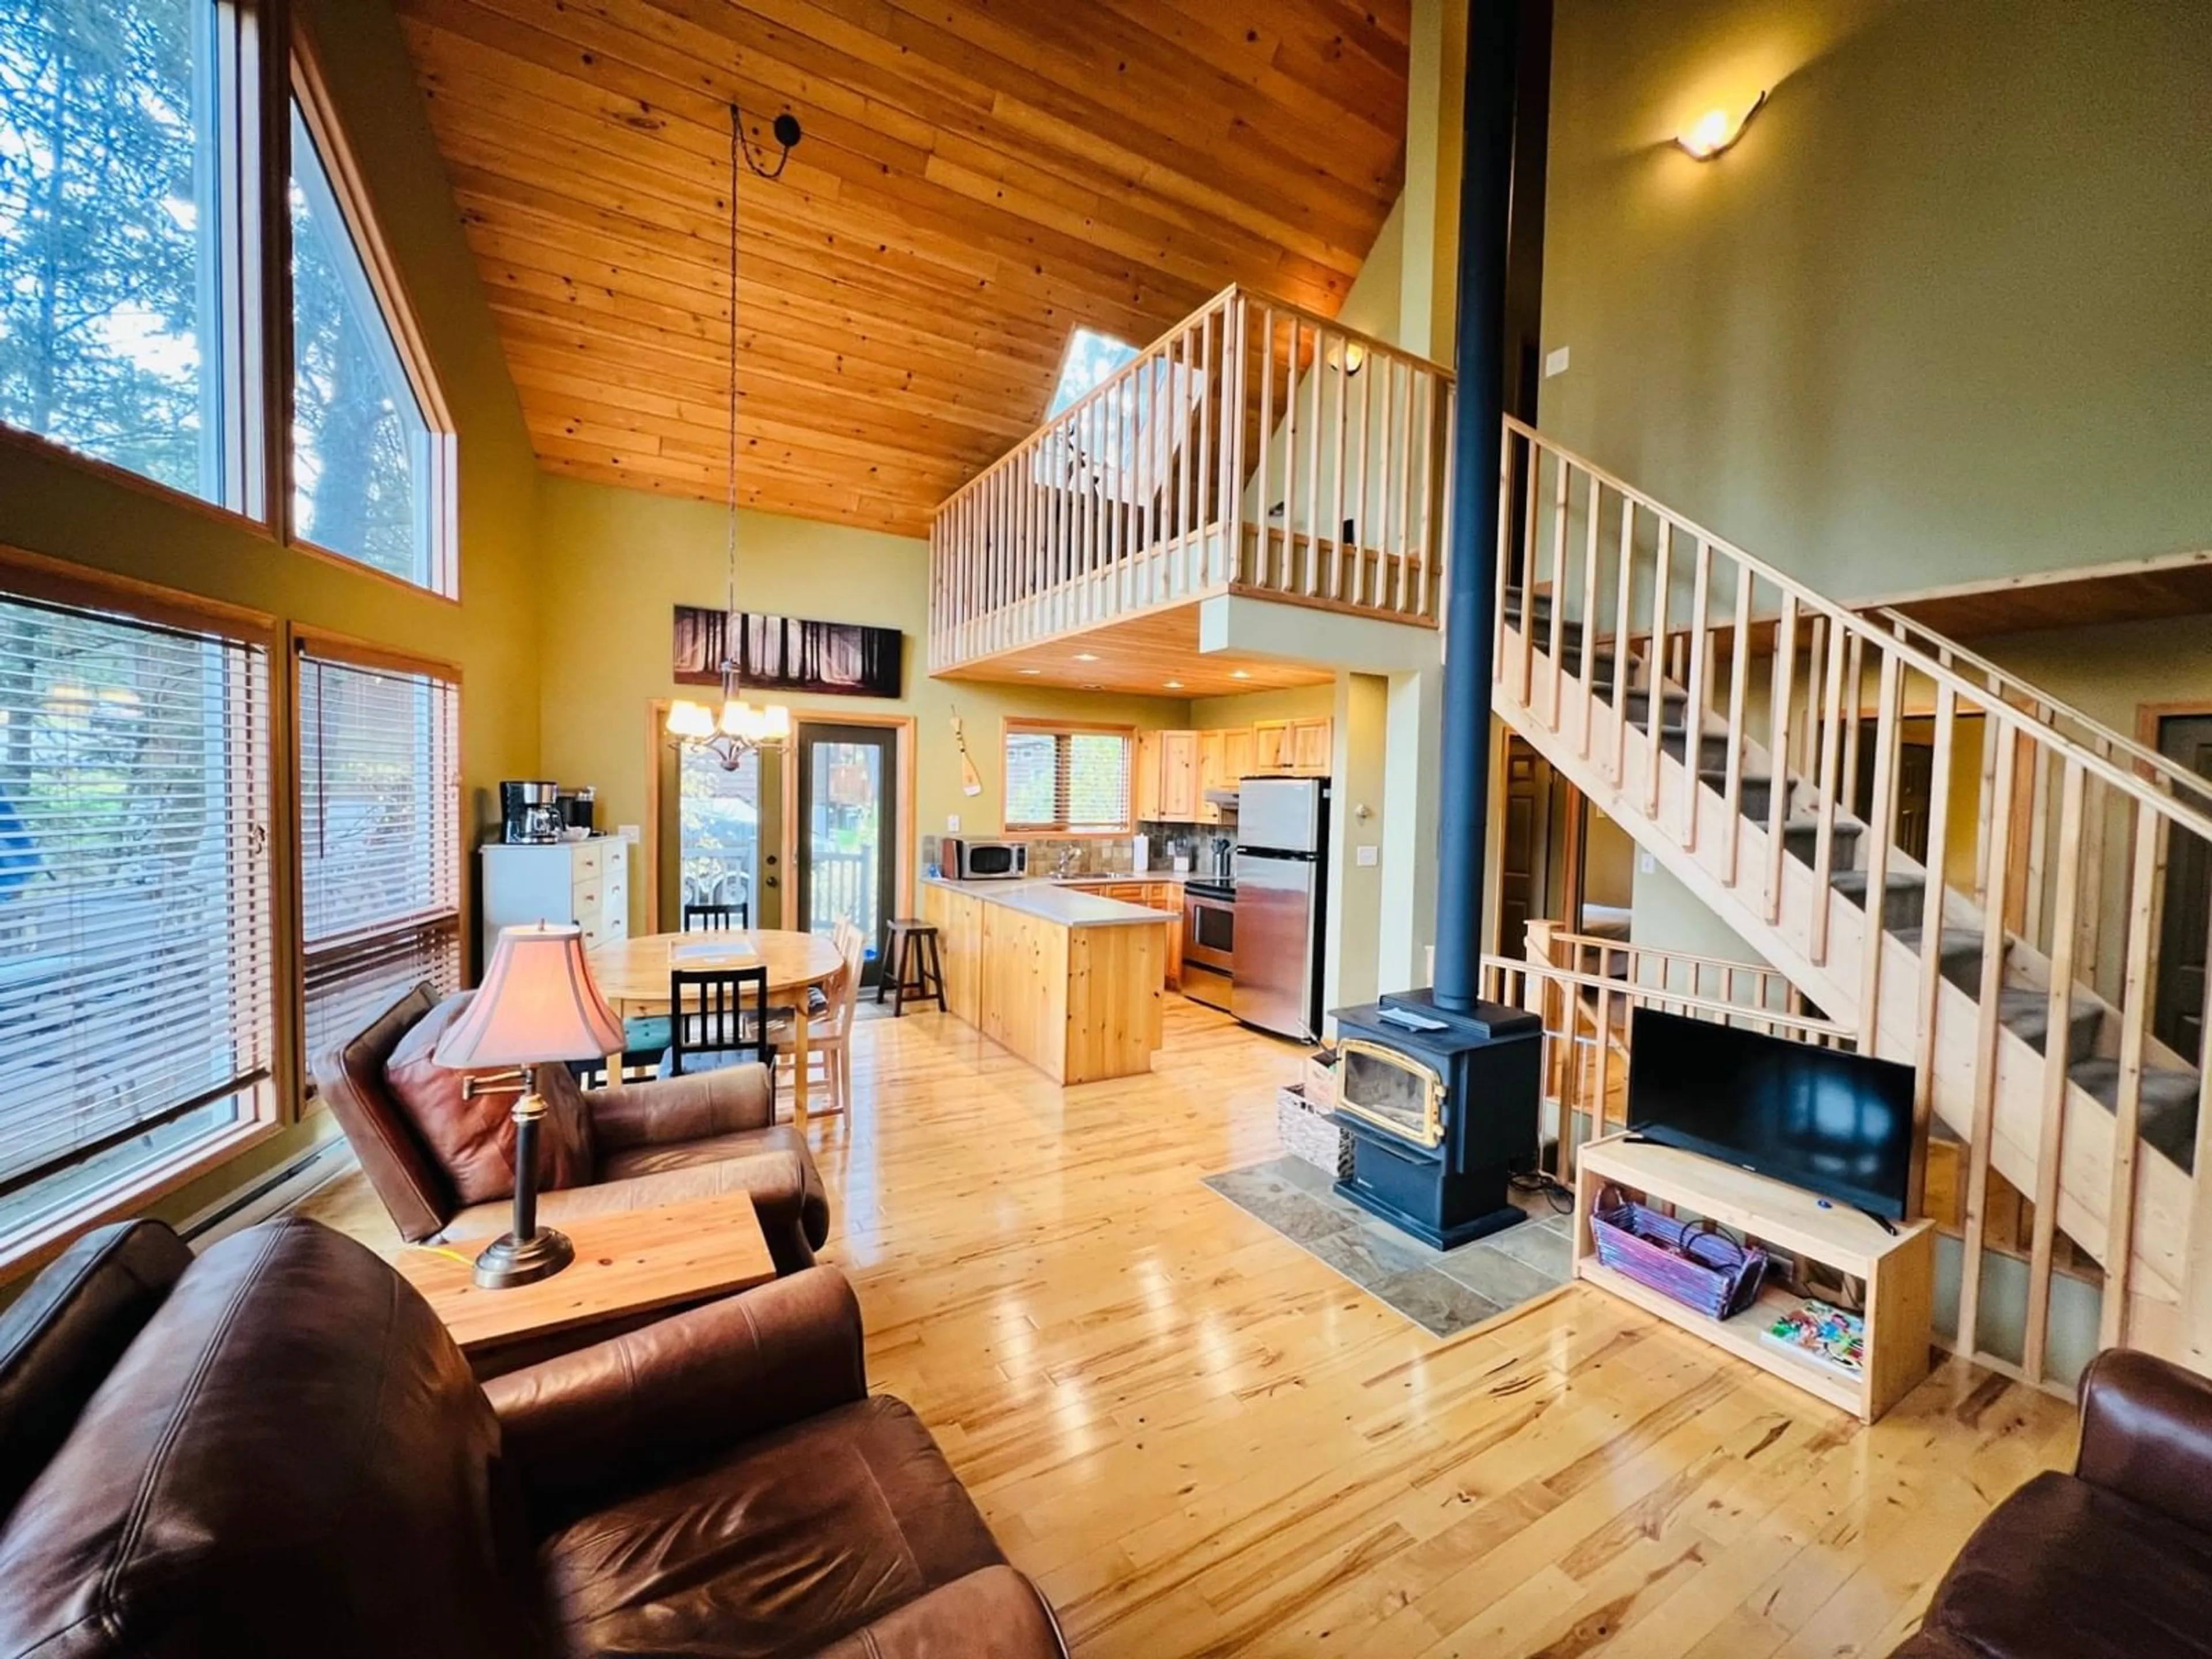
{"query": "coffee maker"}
[(530, 812)]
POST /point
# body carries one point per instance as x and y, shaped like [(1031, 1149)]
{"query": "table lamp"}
[(537, 1005)]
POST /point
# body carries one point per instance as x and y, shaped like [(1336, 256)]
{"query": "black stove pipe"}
[(1470, 596)]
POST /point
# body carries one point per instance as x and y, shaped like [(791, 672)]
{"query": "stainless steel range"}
[(1209, 942)]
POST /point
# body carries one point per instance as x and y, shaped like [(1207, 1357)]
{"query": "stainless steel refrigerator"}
[(1282, 889)]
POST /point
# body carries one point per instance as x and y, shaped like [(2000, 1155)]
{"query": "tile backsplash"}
[(1109, 855)]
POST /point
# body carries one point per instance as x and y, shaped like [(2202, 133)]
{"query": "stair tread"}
[(2169, 1103)]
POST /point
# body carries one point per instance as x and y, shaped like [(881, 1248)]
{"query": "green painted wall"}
[(1941, 315), (616, 562), (55, 507)]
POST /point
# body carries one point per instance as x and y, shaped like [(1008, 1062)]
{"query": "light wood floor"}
[(1200, 1440)]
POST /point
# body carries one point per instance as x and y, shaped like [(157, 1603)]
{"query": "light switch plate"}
[(629, 832), (1645, 864), (1366, 856), (953, 823), (1556, 363)]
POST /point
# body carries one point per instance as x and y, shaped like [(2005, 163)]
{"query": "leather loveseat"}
[(2113, 1561), (637, 1145), (277, 1452)]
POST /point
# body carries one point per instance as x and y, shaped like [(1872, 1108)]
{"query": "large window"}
[(136, 1016), (369, 467), (120, 236), (1073, 779), (379, 837)]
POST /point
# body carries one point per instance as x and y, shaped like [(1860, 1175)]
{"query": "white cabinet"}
[(585, 882)]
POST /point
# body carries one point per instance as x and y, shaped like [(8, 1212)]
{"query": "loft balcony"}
[(1255, 450)]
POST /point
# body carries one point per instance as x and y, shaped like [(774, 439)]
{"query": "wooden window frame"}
[(1013, 725), (267, 1103), (309, 91), (303, 641)]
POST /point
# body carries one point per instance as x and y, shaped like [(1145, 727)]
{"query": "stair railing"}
[(1255, 447), (1758, 734)]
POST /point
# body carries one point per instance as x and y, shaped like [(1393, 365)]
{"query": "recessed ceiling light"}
[(1094, 688), (1086, 656), (1239, 674), (1175, 685), (1032, 670)]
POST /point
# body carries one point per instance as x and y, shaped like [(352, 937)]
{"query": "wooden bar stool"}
[(916, 970)]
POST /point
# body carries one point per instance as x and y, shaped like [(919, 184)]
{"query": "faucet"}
[(1068, 855)]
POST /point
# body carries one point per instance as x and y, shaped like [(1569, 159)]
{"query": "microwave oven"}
[(984, 860)]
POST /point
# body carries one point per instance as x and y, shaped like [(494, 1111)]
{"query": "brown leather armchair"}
[(653, 1143), (284, 1454), (2113, 1561)]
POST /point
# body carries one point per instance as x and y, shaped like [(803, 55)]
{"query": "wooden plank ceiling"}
[(977, 180)]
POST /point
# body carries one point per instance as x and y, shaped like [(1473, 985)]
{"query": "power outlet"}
[(1646, 865), (1367, 857), (953, 823), (1555, 364), (629, 832)]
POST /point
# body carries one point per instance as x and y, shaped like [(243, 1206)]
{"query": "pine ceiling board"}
[(980, 177)]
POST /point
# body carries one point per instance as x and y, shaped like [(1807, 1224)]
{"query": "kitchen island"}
[(1069, 981)]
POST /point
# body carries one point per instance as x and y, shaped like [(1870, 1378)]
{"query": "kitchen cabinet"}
[(1294, 749), (1163, 895), (585, 882), (1179, 785), (959, 920), (1238, 760), (1145, 789)]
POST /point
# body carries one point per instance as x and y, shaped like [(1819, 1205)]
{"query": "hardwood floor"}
[(1199, 1440)]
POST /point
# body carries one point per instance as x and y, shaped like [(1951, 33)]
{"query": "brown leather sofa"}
[(2113, 1561), (276, 1450), (650, 1142)]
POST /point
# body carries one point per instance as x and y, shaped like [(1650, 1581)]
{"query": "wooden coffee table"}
[(627, 1264)]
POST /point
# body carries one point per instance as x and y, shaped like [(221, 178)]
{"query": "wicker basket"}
[(1307, 1133), (1694, 1263)]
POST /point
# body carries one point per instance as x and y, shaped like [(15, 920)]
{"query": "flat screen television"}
[(1835, 1123)]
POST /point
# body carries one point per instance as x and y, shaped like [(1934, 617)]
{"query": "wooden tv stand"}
[(1899, 1271)]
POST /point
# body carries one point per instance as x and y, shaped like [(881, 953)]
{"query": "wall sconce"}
[(1716, 130), (1349, 359)]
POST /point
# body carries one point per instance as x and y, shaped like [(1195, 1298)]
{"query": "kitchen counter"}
[(1062, 902), (1072, 981)]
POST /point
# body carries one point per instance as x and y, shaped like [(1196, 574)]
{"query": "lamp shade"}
[(536, 1003)]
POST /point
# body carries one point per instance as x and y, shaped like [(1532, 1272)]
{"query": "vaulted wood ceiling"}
[(978, 177)]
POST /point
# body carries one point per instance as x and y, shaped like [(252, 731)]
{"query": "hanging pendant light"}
[(739, 728)]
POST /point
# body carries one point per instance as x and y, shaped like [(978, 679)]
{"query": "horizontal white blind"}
[(1067, 778), (136, 997), (380, 840)]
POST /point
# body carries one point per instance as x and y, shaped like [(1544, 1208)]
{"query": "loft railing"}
[(2003, 930), (1256, 448)]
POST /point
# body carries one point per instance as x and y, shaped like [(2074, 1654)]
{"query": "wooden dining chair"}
[(710, 1025), (718, 918), (829, 1038)]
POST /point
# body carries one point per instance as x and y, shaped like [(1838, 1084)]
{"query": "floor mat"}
[(1442, 1291)]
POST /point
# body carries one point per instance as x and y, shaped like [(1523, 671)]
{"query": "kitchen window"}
[(379, 835), (129, 322), (1068, 778), (136, 982)]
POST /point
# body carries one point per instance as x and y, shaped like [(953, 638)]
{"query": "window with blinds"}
[(1071, 779), (380, 839), (135, 985)]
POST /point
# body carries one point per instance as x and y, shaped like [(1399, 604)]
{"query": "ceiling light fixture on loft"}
[(739, 728)]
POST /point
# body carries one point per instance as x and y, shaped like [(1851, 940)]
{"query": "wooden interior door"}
[(2178, 1011), (1522, 882)]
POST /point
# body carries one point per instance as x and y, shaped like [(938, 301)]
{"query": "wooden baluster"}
[(1507, 438), (2147, 880), (1777, 750), (1739, 673), (1816, 658), (1283, 583), (1189, 572), (1930, 997), (2050, 1147), (1562, 493), (2197, 1257), (1986, 1029), (1363, 531), (1389, 462), (1587, 692), (1855, 673), (1993, 732), (1316, 379), (1228, 421), (1342, 375), (1411, 545), (1624, 641), (1696, 683), (1655, 712), (1532, 469), (1262, 516), (2089, 913), (2038, 848), (1878, 832), (1824, 845)]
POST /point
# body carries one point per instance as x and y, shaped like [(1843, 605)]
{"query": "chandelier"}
[(740, 728)]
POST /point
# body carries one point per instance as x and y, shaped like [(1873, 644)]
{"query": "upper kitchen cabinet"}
[(1293, 748)]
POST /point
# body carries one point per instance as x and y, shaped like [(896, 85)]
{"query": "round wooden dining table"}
[(633, 976)]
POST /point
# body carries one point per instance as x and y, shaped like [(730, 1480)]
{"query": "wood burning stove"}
[(1441, 1119)]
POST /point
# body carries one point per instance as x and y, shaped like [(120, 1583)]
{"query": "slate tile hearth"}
[(1442, 1291)]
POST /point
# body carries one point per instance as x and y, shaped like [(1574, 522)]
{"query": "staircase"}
[(1747, 733)]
